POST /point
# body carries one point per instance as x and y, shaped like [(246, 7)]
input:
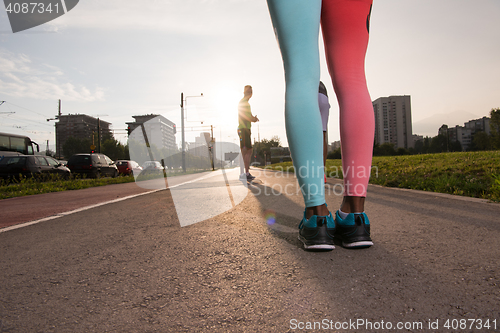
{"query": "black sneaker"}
[(354, 230), (250, 177), (317, 233)]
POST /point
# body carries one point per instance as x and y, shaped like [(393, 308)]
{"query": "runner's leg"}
[(296, 24), (345, 25)]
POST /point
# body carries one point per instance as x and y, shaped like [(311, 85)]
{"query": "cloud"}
[(208, 17), (10, 63), (22, 78)]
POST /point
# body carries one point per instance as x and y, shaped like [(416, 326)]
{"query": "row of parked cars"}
[(89, 165)]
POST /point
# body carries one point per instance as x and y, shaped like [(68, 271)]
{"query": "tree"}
[(113, 149), (495, 128), (262, 149), (419, 147), (439, 144), (455, 146), (427, 144), (402, 151), (481, 141), (385, 149), (335, 154), (76, 146)]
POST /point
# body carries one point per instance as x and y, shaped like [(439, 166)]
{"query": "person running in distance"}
[(245, 120), (345, 26), (324, 109)]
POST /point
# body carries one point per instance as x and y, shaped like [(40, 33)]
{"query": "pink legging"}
[(345, 25), (345, 28)]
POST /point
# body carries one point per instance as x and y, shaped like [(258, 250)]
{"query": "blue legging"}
[(296, 24)]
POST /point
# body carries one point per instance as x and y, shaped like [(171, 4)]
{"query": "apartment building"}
[(200, 146), (479, 125), (78, 126), (465, 134), (393, 121), (159, 130)]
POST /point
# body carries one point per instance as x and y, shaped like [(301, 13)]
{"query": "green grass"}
[(472, 174), (30, 186)]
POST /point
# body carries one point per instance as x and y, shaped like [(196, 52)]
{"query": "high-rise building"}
[(160, 131), (78, 126), (393, 121), (200, 146)]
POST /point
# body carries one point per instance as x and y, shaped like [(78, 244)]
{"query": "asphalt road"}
[(128, 266)]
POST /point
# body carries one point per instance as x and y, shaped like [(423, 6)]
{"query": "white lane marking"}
[(64, 6), (48, 218), (211, 174)]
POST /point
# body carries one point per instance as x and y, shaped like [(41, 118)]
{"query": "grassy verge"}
[(473, 174), (30, 186)]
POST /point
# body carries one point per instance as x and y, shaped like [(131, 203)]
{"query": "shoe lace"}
[(359, 219), (321, 220)]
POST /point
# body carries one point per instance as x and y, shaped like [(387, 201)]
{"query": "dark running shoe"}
[(354, 231), (317, 233), (245, 177)]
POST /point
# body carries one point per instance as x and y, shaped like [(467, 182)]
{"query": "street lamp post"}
[(183, 141), (182, 135)]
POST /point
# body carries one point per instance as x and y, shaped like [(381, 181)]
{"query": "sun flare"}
[(225, 103)]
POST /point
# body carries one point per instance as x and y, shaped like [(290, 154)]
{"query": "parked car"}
[(128, 167), (152, 169), (152, 165), (92, 165), (31, 165)]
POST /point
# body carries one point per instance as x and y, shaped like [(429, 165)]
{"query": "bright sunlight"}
[(225, 100)]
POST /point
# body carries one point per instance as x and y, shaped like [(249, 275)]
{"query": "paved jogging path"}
[(130, 267)]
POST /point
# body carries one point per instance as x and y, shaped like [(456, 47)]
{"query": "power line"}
[(19, 119), (29, 121), (24, 108)]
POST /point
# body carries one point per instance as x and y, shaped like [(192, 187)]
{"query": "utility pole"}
[(183, 143), (58, 144), (98, 132), (212, 144), (183, 140), (98, 135)]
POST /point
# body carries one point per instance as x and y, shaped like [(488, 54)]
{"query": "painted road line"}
[(52, 217)]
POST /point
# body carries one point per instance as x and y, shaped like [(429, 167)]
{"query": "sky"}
[(115, 59)]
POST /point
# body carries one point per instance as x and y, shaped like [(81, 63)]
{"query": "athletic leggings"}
[(345, 25)]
